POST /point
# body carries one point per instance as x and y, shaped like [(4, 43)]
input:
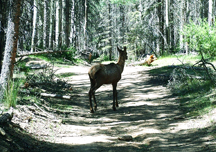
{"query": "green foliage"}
[(59, 56), (186, 80), (196, 92), (103, 57), (123, 1), (198, 103), (64, 75), (69, 55), (201, 37), (22, 66), (10, 97)]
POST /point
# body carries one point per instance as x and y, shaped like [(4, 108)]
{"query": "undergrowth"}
[(195, 89), (10, 97)]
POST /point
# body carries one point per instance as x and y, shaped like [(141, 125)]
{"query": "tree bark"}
[(85, 26), (65, 22), (110, 32), (34, 25), (45, 25), (210, 13), (182, 20), (11, 46), (58, 24), (161, 24), (51, 25), (167, 25), (3, 22)]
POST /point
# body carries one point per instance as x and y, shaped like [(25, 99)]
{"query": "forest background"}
[(178, 87), (160, 27)]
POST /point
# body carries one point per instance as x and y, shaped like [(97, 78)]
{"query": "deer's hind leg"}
[(115, 103), (90, 96), (94, 86)]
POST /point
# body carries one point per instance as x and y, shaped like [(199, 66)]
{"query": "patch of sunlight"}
[(106, 120), (208, 138), (145, 131), (125, 84), (81, 140), (191, 124), (116, 123), (143, 103), (164, 115), (151, 139), (146, 96)]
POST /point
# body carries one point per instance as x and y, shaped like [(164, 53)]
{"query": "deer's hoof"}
[(95, 108), (91, 110), (114, 109)]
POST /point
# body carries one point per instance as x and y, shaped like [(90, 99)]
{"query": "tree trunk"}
[(45, 25), (161, 25), (210, 13), (122, 20), (11, 46), (51, 25), (58, 24), (34, 25), (72, 26), (3, 22), (172, 29), (85, 27), (39, 32), (167, 25), (182, 20), (65, 22), (110, 33)]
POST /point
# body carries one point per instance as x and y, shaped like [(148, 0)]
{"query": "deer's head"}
[(123, 53)]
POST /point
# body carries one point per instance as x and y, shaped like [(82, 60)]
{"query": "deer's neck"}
[(121, 63)]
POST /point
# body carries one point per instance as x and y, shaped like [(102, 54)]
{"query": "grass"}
[(176, 60), (198, 103), (197, 97), (64, 75), (10, 97)]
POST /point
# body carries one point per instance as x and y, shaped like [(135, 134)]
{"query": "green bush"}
[(185, 81), (70, 55), (201, 37)]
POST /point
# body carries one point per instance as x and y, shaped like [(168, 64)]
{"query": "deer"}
[(100, 74)]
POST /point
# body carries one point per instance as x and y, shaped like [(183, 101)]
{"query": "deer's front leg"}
[(116, 98)]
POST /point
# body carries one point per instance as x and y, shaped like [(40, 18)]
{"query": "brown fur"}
[(106, 74)]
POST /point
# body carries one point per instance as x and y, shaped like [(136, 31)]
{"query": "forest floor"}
[(147, 111)]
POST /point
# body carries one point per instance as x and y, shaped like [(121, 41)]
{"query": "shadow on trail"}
[(147, 111)]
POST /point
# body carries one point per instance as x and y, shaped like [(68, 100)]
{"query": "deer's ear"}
[(118, 49), (125, 48)]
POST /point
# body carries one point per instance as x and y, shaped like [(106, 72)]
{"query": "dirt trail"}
[(147, 111)]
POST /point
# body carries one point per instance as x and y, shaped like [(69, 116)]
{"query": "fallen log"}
[(40, 52), (47, 95), (55, 96), (6, 117)]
